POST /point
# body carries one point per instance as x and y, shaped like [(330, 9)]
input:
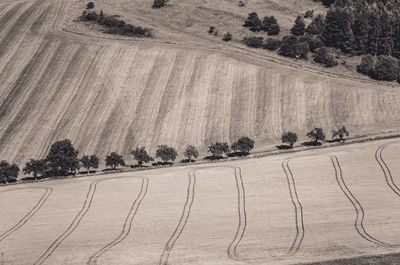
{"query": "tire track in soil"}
[(356, 204), (386, 170), (78, 218), (298, 208), (127, 225), (30, 214), (232, 248)]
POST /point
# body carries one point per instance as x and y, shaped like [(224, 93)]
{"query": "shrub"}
[(8, 172), (241, 4), (218, 149), (367, 65), (289, 137), (340, 133), (159, 3), (141, 155), (90, 5), (36, 167), (316, 134), (386, 68), (166, 153), (244, 145), (315, 43), (309, 13), (272, 44), (322, 56), (227, 36), (191, 152), (62, 158), (114, 159), (255, 42), (299, 27), (211, 30)]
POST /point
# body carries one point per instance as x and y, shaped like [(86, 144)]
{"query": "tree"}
[(386, 68), (166, 153), (322, 56), (299, 26), (367, 65), (302, 49), (253, 22), (62, 158), (190, 152), (218, 149), (244, 145), (90, 162), (272, 44), (159, 3), (337, 31), (316, 134), (113, 160), (227, 37), (268, 23), (289, 137), (90, 5), (8, 172), (274, 30), (141, 155), (340, 133), (36, 167), (316, 26), (255, 42), (288, 46)]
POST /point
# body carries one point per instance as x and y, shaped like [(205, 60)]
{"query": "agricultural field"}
[(305, 207), (106, 94)]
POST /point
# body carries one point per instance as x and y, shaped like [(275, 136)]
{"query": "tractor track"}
[(30, 214), (77, 220), (386, 170)]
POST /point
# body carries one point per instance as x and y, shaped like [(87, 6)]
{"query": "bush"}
[(90, 5), (141, 155), (299, 27), (386, 68), (8, 172), (218, 149), (244, 145), (255, 42), (113, 160), (211, 30), (272, 44), (227, 37), (367, 65), (289, 137), (191, 152), (309, 13), (159, 3), (166, 153), (322, 56)]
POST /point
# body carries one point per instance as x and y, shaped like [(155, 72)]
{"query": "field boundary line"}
[(183, 219), (356, 204), (78, 218), (127, 224), (298, 208), (30, 214), (385, 168)]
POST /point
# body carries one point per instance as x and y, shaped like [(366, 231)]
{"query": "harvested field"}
[(313, 206)]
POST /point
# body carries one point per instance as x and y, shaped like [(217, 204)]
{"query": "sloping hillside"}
[(112, 95)]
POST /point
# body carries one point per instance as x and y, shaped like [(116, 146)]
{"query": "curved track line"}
[(183, 220), (356, 204), (78, 218), (385, 169), (127, 225), (30, 214), (298, 208)]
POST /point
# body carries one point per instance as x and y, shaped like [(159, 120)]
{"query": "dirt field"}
[(113, 95), (311, 206)]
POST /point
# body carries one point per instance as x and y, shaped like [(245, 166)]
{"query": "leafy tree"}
[(253, 22), (141, 155), (218, 149), (386, 68), (113, 160), (272, 44), (62, 158), (244, 145), (367, 65), (191, 152), (166, 153), (288, 47), (289, 137), (90, 5), (8, 172), (299, 27), (340, 133), (323, 56), (316, 26), (227, 37), (159, 3), (90, 162), (316, 134), (255, 42), (36, 167)]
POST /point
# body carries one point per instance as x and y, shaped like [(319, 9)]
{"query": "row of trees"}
[(269, 24), (316, 135)]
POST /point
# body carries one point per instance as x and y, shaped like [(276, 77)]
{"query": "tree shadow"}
[(284, 147), (311, 143), (137, 166), (85, 172), (211, 158), (235, 154), (162, 164), (187, 161)]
